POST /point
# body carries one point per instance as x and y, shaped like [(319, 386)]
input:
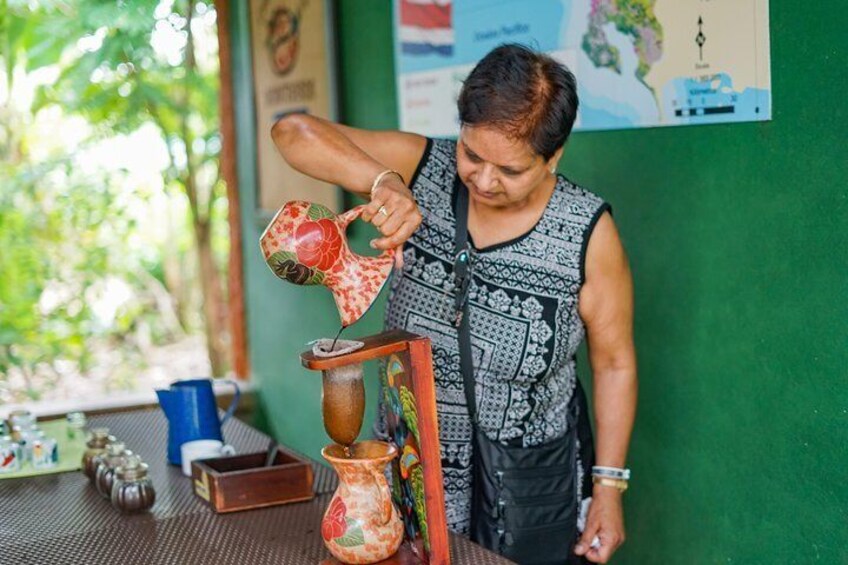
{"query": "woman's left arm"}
[(606, 307)]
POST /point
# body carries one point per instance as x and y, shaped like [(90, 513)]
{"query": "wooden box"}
[(241, 482)]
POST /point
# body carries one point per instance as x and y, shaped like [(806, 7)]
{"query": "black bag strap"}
[(462, 275)]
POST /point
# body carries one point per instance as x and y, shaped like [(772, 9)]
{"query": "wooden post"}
[(238, 330)]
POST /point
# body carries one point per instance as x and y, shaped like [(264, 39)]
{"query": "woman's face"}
[(499, 171)]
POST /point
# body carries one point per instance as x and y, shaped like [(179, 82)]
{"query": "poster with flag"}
[(426, 26), (667, 63)]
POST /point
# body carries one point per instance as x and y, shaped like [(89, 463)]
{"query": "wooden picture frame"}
[(410, 402), (293, 53)]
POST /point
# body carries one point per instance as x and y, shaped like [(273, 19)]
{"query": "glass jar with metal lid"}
[(132, 489), (98, 439), (104, 474), (76, 423)]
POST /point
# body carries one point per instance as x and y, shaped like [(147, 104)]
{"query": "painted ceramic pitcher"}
[(305, 244), (361, 525)]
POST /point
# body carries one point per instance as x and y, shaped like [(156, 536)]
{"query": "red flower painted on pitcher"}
[(318, 244), (333, 526)]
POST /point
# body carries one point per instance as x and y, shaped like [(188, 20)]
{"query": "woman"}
[(547, 268)]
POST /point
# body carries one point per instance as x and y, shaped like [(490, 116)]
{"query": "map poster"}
[(292, 62), (638, 63)]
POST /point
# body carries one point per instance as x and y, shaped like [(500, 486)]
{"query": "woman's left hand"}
[(605, 520)]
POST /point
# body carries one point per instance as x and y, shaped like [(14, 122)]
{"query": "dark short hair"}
[(526, 94)]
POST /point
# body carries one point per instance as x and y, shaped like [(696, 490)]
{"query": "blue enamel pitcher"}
[(192, 414)]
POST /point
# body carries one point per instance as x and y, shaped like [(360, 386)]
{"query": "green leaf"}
[(284, 256), (353, 536), (417, 479), (410, 414), (317, 212), (316, 278)]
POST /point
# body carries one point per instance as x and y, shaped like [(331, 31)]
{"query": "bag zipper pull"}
[(497, 511), (507, 537)]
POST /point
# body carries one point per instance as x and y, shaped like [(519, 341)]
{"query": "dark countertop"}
[(60, 519)]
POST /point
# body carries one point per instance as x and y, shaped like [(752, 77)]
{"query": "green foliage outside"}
[(100, 259)]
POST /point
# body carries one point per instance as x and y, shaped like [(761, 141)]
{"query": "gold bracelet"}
[(380, 177), (619, 484)]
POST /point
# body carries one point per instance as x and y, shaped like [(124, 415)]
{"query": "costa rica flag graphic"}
[(426, 26)]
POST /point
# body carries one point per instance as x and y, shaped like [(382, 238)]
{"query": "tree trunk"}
[(213, 306)]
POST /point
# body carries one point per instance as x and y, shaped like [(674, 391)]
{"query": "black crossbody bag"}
[(524, 503)]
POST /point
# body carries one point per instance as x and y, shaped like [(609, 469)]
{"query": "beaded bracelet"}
[(611, 472)]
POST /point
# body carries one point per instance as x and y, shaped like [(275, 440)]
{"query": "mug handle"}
[(345, 218), (384, 494), (234, 403)]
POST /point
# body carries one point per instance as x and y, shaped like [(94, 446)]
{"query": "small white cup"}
[(202, 449)]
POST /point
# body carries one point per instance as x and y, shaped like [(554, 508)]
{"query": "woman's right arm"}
[(352, 158)]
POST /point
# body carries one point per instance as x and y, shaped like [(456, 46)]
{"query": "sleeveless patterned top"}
[(525, 327)]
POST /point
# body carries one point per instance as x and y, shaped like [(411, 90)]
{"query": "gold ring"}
[(383, 211)]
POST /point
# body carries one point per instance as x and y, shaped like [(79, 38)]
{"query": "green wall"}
[(737, 238)]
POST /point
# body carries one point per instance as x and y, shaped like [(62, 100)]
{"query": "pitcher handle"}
[(234, 403), (385, 496), (345, 218)]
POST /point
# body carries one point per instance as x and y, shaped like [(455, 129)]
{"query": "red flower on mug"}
[(334, 524), (318, 244)]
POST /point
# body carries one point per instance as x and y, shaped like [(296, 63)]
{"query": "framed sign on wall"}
[(292, 43)]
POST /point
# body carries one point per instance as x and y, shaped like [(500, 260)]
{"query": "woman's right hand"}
[(394, 213)]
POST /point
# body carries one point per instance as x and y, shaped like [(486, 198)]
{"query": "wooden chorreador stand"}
[(410, 411)]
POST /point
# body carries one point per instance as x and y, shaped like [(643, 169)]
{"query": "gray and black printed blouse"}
[(525, 327)]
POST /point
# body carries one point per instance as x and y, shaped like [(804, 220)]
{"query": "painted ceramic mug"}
[(361, 524), (305, 244)]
